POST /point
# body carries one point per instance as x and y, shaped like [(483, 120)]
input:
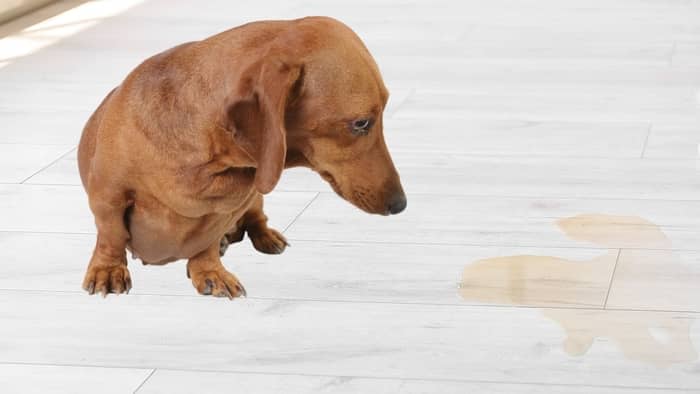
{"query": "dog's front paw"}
[(105, 279), (268, 240), (219, 283)]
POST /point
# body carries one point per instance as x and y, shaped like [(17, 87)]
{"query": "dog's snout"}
[(397, 204)]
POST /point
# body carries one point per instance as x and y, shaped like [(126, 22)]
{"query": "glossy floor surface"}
[(549, 150)]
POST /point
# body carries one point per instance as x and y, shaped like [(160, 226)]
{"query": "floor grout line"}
[(455, 244), (398, 105), (451, 195), (398, 243), (301, 212), (41, 184), (356, 376), (672, 54), (466, 305), (145, 380), (50, 164), (646, 140), (532, 197), (473, 155), (36, 144), (524, 197), (46, 232), (612, 278)]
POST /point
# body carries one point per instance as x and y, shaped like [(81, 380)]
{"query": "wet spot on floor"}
[(551, 282)]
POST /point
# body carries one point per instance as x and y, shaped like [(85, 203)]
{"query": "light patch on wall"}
[(54, 29)]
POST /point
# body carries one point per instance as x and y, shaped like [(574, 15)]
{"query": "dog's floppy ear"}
[(277, 79), (256, 115), (258, 112)]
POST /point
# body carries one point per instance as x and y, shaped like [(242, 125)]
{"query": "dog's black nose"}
[(397, 204)]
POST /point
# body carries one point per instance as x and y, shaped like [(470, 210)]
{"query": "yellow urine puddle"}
[(658, 338)]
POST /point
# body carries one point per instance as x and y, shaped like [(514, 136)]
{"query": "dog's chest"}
[(159, 234), (195, 195)]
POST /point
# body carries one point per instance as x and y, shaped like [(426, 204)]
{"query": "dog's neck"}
[(295, 158)]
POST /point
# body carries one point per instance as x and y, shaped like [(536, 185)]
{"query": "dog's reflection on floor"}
[(658, 338)]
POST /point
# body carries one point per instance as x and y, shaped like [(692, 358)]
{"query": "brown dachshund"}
[(176, 159)]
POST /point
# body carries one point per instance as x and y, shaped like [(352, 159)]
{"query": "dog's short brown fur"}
[(176, 159)]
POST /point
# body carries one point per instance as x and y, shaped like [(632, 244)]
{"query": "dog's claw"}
[(106, 279), (128, 284), (241, 290), (226, 292), (209, 288)]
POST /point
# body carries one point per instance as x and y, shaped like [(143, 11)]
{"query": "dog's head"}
[(322, 97)]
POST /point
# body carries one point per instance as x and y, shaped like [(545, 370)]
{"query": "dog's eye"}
[(361, 126)]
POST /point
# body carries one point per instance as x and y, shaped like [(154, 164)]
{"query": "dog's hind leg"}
[(234, 235), (265, 239), (209, 276), (254, 222)]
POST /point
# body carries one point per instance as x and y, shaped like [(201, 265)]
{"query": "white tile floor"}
[(549, 149)]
